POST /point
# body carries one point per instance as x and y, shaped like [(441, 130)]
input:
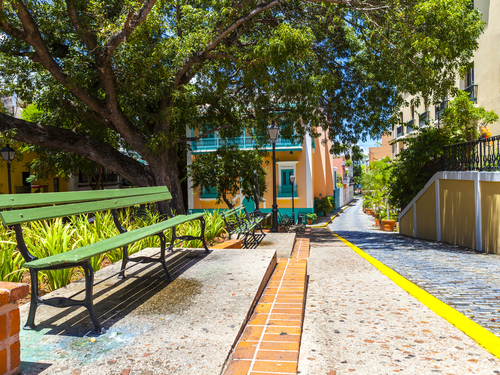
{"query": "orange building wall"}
[(322, 165), (377, 153), (300, 180)]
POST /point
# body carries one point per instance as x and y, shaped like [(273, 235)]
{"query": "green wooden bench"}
[(26, 208), (242, 223)]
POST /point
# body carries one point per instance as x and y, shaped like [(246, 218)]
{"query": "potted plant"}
[(378, 216), (324, 206), (389, 224), (310, 217), (377, 181), (331, 200)]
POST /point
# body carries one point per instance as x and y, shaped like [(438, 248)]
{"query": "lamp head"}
[(292, 179), (273, 131), (8, 153)]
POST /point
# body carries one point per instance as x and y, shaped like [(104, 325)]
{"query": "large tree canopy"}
[(118, 76)]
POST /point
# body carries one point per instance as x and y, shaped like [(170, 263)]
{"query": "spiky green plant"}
[(11, 267), (50, 237)]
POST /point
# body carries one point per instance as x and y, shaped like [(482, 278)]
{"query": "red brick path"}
[(271, 340)]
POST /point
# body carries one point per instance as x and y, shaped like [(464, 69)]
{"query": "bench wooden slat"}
[(50, 212), (86, 252), (27, 200)]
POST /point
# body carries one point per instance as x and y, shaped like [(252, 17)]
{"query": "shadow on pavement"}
[(126, 296)]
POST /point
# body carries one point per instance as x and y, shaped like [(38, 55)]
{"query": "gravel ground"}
[(358, 321)]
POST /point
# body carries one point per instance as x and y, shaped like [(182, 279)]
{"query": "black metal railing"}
[(480, 155), (106, 178)]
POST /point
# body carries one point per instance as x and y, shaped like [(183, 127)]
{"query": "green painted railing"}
[(207, 144), (208, 193), (286, 191)]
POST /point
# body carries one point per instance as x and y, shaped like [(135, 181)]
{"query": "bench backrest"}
[(232, 214), (54, 205)]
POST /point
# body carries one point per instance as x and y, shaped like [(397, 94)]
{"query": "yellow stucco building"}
[(310, 162)]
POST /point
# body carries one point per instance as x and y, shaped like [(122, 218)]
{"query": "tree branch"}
[(87, 38), (132, 22), (201, 55), (70, 141), (222, 127), (33, 37)]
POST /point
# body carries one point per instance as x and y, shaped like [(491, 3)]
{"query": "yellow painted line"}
[(483, 337)]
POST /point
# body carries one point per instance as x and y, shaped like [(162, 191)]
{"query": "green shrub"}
[(324, 205)]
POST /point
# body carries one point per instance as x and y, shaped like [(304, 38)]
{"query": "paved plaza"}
[(355, 319), (465, 279), (187, 326)]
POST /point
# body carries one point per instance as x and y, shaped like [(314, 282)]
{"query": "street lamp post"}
[(274, 131), (8, 154), (292, 180)]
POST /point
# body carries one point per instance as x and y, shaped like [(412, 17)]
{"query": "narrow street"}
[(465, 279), (357, 320)]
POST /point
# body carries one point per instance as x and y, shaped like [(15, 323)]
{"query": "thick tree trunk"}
[(164, 171)]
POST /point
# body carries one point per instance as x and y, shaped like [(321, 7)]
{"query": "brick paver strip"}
[(271, 340)]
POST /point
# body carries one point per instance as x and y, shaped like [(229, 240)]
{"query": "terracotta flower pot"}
[(388, 225), (368, 211), (377, 222), (374, 214), (309, 222)]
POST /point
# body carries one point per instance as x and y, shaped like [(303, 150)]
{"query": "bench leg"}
[(202, 221), (163, 242), (245, 244), (30, 323), (125, 259), (174, 236), (89, 299)]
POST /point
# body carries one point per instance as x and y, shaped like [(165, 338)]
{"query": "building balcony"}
[(439, 108), (423, 119), (472, 92), (212, 144), (284, 191), (410, 126)]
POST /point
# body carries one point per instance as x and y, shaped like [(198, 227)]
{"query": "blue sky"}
[(369, 143)]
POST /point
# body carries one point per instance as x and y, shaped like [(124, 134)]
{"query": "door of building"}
[(286, 185)]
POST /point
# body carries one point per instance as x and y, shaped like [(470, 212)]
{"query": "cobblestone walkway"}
[(465, 279)]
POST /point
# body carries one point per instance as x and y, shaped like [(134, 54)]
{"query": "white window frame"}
[(287, 165)]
